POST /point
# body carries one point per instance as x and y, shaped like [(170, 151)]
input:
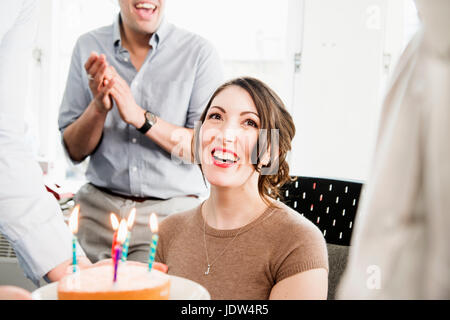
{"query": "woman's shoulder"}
[(288, 216), (300, 244), (288, 223)]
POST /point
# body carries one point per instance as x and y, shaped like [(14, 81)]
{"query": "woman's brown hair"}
[(273, 116)]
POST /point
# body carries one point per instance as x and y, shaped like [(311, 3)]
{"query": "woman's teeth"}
[(224, 157)]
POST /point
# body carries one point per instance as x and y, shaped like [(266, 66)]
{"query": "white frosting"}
[(100, 279)]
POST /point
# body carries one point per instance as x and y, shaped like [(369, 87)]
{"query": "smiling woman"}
[(253, 110), (240, 243)]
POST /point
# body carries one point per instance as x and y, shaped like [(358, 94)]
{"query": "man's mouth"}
[(224, 156), (145, 5), (145, 8)]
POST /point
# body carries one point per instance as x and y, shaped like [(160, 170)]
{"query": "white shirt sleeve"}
[(30, 218)]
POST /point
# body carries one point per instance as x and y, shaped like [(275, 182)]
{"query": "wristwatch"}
[(150, 120)]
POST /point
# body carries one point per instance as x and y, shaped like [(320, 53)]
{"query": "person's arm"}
[(308, 285), (174, 139), (14, 293), (300, 261), (30, 218), (83, 135)]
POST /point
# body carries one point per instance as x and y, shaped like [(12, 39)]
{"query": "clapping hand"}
[(129, 110), (100, 81)]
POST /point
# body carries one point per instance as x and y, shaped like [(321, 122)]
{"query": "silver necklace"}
[(209, 265)]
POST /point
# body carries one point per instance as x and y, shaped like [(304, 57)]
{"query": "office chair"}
[(331, 205)]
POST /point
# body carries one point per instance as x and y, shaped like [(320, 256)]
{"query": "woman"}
[(240, 243)]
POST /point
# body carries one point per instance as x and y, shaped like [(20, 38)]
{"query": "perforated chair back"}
[(331, 205)]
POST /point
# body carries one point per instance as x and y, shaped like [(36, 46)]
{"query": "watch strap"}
[(147, 125)]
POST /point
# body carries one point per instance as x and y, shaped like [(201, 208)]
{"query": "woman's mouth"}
[(224, 158)]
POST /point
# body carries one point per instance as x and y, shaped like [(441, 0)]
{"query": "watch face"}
[(150, 117)]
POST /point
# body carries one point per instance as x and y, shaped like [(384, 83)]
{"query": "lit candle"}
[(154, 243), (121, 235), (73, 225), (130, 222), (115, 226)]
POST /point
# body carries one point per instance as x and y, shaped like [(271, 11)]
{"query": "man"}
[(401, 243), (30, 218), (131, 109)]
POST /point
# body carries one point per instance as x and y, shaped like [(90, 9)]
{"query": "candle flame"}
[(114, 221), (131, 217), (154, 223), (122, 233), (73, 220)]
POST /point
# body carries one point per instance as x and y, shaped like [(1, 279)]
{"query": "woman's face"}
[(228, 136)]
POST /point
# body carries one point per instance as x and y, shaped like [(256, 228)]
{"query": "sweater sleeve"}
[(304, 248)]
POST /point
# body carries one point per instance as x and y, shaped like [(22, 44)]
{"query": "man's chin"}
[(148, 27)]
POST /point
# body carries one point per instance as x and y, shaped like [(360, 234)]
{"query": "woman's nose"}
[(230, 136)]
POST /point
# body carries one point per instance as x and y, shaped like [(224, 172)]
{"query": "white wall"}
[(349, 48)]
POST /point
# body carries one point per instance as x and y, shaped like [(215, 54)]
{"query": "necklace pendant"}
[(207, 271)]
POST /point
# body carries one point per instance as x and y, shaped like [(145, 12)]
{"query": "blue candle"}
[(154, 243), (151, 257), (74, 253), (130, 222), (73, 225), (125, 247)]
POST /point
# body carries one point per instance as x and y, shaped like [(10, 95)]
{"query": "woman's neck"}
[(232, 208)]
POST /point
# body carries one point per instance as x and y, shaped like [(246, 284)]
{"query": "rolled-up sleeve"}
[(77, 95), (209, 76)]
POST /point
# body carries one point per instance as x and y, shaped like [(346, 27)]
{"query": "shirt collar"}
[(155, 40), (116, 31)]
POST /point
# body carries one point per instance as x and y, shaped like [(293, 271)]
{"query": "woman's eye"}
[(214, 116), (250, 122)]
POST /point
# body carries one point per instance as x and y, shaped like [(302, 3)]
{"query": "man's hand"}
[(100, 81), (129, 110)]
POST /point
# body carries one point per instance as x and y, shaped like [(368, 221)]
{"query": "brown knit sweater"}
[(278, 244)]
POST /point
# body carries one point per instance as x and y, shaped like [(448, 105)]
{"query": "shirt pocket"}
[(168, 100)]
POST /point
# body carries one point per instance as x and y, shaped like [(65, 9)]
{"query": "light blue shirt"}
[(178, 77)]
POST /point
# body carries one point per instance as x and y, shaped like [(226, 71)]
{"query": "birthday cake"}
[(133, 282)]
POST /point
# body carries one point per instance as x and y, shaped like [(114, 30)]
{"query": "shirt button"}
[(134, 169), (134, 140), (125, 59), (136, 83)]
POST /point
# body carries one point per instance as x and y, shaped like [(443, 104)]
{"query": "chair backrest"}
[(331, 205)]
